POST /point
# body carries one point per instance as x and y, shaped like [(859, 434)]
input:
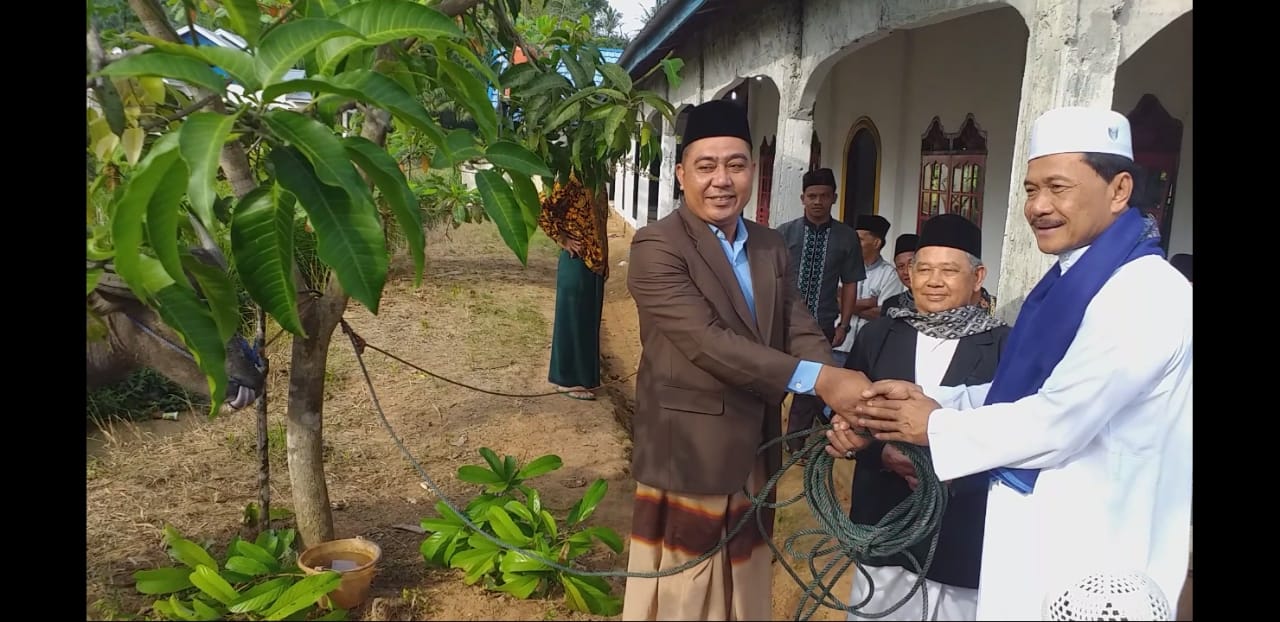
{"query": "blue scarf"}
[(1052, 313)]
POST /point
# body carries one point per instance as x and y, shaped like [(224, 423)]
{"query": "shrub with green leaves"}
[(257, 580), (512, 511)]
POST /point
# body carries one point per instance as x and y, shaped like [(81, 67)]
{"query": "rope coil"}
[(915, 519)]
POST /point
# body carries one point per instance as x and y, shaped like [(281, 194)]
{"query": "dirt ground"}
[(479, 317)]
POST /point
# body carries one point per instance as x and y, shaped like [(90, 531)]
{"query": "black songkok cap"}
[(819, 177), (906, 243), (954, 231), (874, 223), (719, 117)]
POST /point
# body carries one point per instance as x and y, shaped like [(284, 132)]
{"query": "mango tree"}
[(190, 142)]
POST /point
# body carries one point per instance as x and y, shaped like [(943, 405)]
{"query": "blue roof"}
[(610, 55)]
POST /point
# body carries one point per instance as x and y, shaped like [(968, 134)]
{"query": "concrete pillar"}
[(789, 166), (642, 200), (667, 181), (1073, 49)]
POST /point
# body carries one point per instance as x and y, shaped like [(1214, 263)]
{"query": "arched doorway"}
[(861, 187)]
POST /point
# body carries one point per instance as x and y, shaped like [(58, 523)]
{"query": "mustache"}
[(1047, 222)]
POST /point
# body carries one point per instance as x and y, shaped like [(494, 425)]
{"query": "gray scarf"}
[(950, 324)]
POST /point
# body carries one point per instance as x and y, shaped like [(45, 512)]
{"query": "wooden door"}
[(1157, 145)]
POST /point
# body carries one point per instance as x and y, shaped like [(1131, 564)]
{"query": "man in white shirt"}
[(880, 284), (1086, 429)]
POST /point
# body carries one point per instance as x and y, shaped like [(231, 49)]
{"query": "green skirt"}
[(575, 338)]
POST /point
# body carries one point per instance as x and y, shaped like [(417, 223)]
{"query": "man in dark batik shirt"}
[(824, 253)]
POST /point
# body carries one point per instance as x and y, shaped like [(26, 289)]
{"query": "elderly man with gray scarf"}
[(944, 338)]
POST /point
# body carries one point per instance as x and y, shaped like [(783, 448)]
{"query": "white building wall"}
[(1162, 67), (906, 79)]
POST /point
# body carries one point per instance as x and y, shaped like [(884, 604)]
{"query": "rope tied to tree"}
[(916, 519)]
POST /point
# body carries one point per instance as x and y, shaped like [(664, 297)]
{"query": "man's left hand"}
[(898, 420), (841, 333)]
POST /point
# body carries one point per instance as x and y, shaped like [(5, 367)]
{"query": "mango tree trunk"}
[(305, 433)]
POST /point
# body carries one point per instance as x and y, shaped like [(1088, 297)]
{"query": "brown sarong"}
[(670, 529)]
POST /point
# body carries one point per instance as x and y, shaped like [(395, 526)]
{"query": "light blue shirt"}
[(806, 374)]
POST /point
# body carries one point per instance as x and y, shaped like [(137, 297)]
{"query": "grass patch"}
[(140, 396), (514, 326)]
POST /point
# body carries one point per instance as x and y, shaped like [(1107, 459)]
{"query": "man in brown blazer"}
[(725, 337)]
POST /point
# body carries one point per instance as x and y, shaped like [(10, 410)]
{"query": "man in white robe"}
[(1090, 450)]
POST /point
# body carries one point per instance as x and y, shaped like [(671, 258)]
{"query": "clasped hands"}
[(887, 410)]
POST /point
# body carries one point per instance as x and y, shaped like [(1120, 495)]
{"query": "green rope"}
[(913, 520)]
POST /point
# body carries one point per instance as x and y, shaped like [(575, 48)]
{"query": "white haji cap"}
[(1081, 130), (1109, 596)]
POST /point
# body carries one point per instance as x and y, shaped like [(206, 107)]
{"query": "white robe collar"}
[(1069, 258)]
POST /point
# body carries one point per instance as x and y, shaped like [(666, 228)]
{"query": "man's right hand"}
[(890, 390), (842, 390), (894, 460)]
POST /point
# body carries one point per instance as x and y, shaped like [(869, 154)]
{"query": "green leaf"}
[(381, 21), (609, 537), (126, 226), (521, 585), (672, 67), (216, 587), (247, 566), (472, 94), (439, 548), (515, 76), (244, 18), (163, 580), (200, 143), (257, 553), (461, 50), (585, 595), (303, 594), (616, 117), (516, 159), (323, 149), (506, 528), (544, 83), (440, 525), (370, 87), (587, 505), (162, 221), (205, 612), (387, 176), (220, 293), (187, 552), (581, 77), (349, 237), (237, 63), (281, 48), (616, 76), (262, 234), (527, 196), (661, 105), (565, 115), (91, 279), (515, 562), (476, 563), (332, 616), (460, 146), (473, 474), (494, 463), (541, 466), (166, 65), (260, 596), (501, 206), (522, 511)]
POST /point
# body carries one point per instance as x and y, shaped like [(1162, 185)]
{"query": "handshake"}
[(887, 410)]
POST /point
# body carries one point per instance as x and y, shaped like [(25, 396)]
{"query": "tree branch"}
[(504, 23), (454, 8)]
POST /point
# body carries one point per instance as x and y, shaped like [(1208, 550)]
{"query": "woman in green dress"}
[(579, 225)]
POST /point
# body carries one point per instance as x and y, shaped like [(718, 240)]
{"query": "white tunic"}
[(882, 283), (893, 583), (1111, 431)]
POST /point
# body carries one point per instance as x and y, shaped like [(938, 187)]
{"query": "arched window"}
[(952, 171)]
